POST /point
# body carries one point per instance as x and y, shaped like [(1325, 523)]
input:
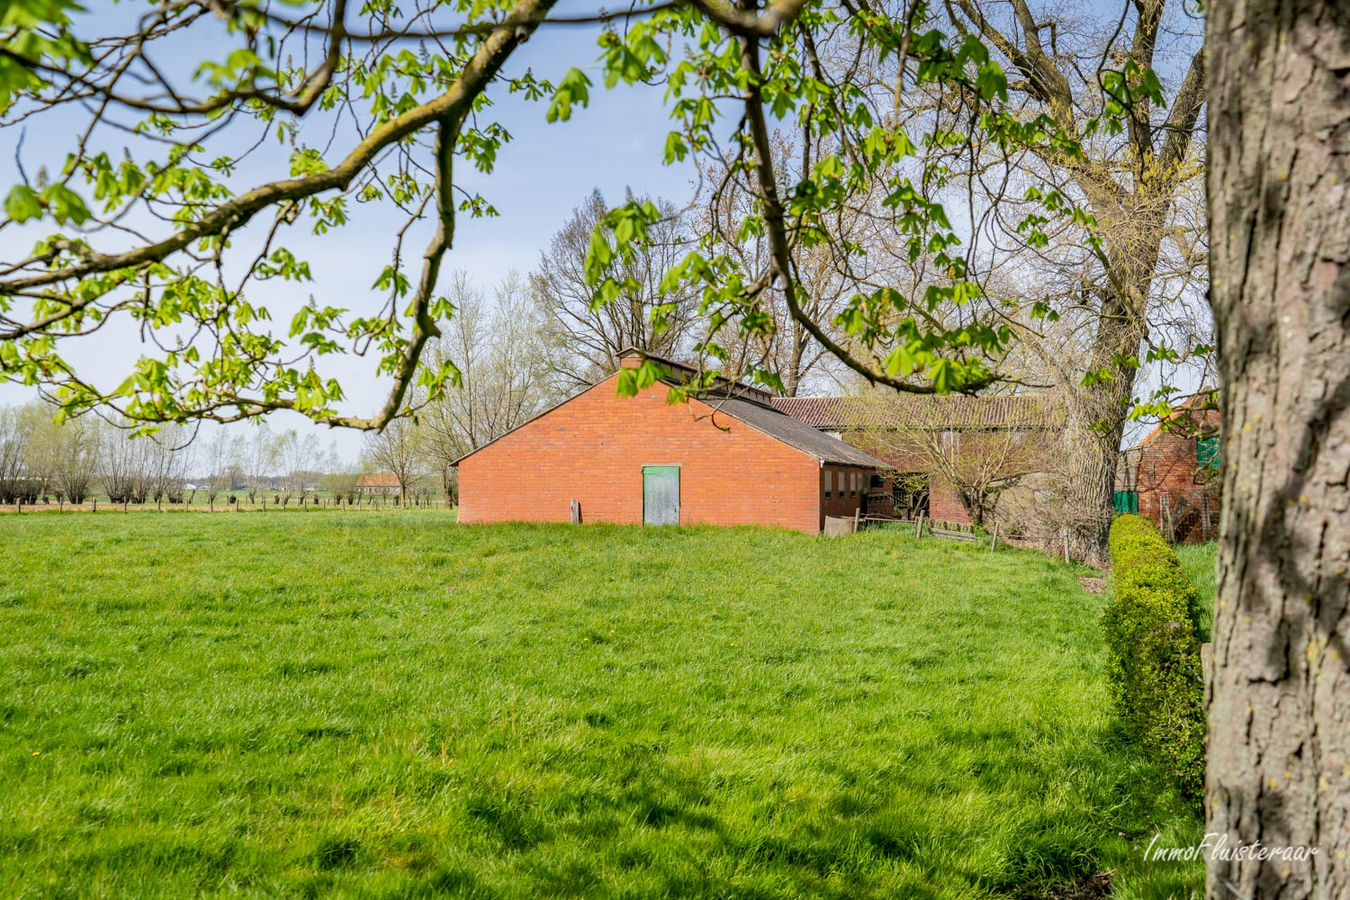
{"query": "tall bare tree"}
[(138, 469), (14, 481), (77, 456), (125, 466), (298, 457), (261, 457), (222, 457), (583, 338), (397, 450), (1123, 261), (171, 453), (498, 348), (788, 349)]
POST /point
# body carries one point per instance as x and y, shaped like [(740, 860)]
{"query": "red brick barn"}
[(1171, 476), (726, 460)]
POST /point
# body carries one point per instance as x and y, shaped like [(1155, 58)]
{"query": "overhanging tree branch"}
[(234, 214), (781, 265)]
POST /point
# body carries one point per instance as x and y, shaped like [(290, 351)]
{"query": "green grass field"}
[(398, 706), (1199, 562)]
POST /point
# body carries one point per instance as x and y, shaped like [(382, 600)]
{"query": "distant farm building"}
[(729, 459), (380, 483), (1171, 476), (1012, 439)]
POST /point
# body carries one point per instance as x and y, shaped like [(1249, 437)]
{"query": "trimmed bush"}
[(1153, 664)]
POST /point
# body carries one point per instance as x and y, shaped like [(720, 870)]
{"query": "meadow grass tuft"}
[(397, 706), (1199, 563)]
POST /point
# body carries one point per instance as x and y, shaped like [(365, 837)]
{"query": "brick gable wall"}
[(592, 448), (1169, 472)]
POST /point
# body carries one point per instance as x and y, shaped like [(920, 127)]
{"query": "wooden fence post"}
[(918, 526), (994, 542)]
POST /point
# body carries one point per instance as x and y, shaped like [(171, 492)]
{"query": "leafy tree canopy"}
[(403, 91)]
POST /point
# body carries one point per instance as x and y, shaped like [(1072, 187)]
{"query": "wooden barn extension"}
[(970, 425), (730, 460)]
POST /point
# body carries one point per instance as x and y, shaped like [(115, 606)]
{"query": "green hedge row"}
[(1153, 663)]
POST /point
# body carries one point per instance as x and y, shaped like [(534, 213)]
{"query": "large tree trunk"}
[(1279, 704), (1087, 469), (1098, 411), (1087, 478), (1135, 225)]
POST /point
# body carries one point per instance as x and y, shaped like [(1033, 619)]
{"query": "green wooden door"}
[(1207, 452), (660, 495)]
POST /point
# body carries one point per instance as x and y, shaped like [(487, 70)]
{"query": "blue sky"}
[(541, 175)]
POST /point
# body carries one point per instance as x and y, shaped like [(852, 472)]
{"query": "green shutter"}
[(1207, 452), (1125, 501)]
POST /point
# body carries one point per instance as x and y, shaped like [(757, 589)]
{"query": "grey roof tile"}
[(794, 432)]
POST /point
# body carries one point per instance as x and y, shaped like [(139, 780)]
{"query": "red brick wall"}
[(1169, 469), (943, 504), (592, 449)]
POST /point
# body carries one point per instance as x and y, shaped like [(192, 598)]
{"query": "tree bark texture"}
[(1087, 469), (1279, 701)]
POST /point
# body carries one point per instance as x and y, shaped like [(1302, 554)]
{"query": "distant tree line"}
[(43, 461), (40, 459)]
